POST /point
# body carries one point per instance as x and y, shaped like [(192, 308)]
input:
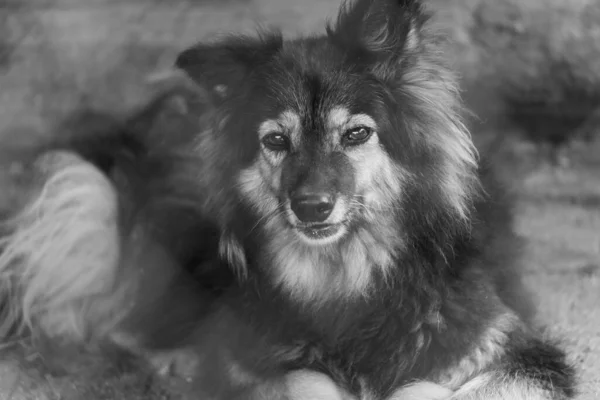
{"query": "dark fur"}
[(452, 282)]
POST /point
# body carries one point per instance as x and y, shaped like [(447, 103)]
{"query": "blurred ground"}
[(559, 215), (55, 54)]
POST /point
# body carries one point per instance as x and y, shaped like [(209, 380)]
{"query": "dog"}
[(368, 225), (362, 249)]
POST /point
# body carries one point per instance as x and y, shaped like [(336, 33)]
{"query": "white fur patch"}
[(290, 121), (260, 194), (421, 391), (314, 274), (308, 385), (59, 260), (231, 250), (496, 386), (412, 38), (287, 124), (299, 268), (337, 118), (340, 120), (379, 179)]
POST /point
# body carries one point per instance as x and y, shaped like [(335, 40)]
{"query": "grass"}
[(55, 54)]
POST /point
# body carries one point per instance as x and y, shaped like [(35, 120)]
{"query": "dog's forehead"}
[(318, 95), (331, 120)]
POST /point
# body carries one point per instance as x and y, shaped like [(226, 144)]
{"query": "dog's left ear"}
[(222, 66), (379, 31)]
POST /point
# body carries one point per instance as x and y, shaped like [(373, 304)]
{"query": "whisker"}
[(272, 215), (356, 202)]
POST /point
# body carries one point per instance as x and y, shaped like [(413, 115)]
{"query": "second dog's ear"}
[(221, 66)]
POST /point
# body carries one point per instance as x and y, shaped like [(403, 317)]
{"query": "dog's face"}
[(340, 141), (321, 166)]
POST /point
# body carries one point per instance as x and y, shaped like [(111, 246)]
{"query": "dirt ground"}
[(52, 53), (559, 215)]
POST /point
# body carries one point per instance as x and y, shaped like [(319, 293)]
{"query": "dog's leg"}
[(230, 360), (531, 369), (509, 362), (517, 365), (167, 306), (534, 372)]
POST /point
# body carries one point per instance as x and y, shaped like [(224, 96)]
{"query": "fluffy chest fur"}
[(316, 275), (416, 325)]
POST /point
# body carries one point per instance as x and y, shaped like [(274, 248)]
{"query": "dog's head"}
[(339, 141)]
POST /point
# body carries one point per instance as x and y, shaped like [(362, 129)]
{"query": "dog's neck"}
[(349, 268)]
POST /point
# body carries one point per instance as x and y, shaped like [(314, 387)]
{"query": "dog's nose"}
[(312, 207)]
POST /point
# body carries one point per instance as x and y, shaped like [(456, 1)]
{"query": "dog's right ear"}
[(224, 65), (380, 33)]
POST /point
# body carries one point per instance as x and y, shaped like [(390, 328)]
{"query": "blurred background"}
[(530, 70)]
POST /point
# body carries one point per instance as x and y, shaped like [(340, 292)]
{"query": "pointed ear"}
[(223, 66), (379, 30)]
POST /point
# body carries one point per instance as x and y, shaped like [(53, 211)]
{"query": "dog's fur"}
[(85, 252), (409, 287), (74, 276)]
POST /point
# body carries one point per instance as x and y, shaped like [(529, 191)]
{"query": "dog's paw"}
[(176, 370), (308, 385), (422, 391), (175, 364), (178, 365)]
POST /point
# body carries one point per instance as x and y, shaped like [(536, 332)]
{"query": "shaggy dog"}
[(345, 240)]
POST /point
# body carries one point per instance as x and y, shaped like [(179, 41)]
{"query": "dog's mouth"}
[(319, 231), (320, 234)]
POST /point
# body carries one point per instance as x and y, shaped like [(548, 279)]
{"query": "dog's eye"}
[(357, 135), (276, 142)]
